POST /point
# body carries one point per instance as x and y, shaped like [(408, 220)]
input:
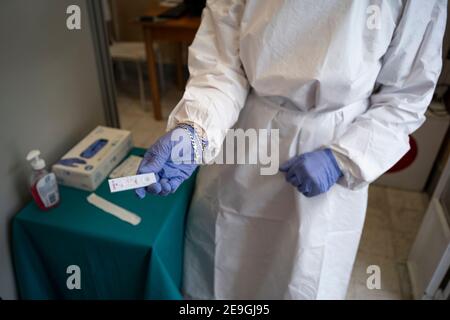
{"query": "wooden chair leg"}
[(179, 64), (141, 84), (151, 63)]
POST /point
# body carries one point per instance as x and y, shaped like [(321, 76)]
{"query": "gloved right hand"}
[(171, 159)]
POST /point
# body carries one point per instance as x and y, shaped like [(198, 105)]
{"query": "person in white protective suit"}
[(353, 78)]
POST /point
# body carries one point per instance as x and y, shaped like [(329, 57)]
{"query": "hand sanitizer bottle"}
[(44, 187)]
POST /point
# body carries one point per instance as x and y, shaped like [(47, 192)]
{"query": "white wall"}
[(49, 99)]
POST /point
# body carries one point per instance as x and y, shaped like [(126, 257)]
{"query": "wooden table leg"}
[(151, 63), (179, 63)]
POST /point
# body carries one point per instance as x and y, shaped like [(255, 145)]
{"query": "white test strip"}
[(113, 209), (131, 182)]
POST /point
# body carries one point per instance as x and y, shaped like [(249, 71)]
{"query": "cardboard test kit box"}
[(87, 164)]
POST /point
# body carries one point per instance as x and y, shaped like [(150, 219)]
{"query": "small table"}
[(181, 30), (116, 259)]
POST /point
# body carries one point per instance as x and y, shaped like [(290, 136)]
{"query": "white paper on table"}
[(114, 209)]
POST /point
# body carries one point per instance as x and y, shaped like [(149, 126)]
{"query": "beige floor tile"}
[(406, 220), (377, 218), (377, 198), (140, 121), (146, 131), (402, 199), (361, 292), (130, 106), (377, 241), (358, 291), (392, 219), (388, 271), (402, 245), (128, 122)]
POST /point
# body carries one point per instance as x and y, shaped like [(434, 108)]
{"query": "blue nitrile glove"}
[(312, 173), (170, 169)]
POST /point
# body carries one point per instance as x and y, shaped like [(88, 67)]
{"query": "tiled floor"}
[(139, 119), (392, 220), (393, 216)]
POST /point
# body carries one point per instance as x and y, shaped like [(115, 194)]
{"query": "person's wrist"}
[(334, 162), (196, 142), (201, 134)]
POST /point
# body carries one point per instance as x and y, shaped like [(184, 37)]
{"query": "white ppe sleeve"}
[(377, 139), (217, 87)]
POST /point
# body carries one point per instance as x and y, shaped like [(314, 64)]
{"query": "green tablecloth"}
[(117, 260)]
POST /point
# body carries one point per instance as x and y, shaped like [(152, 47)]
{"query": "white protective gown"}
[(355, 76)]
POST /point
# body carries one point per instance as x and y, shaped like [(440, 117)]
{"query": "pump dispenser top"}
[(37, 163)]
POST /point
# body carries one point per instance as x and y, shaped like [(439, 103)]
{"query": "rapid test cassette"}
[(131, 182)]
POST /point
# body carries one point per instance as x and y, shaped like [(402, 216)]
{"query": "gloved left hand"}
[(312, 173)]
